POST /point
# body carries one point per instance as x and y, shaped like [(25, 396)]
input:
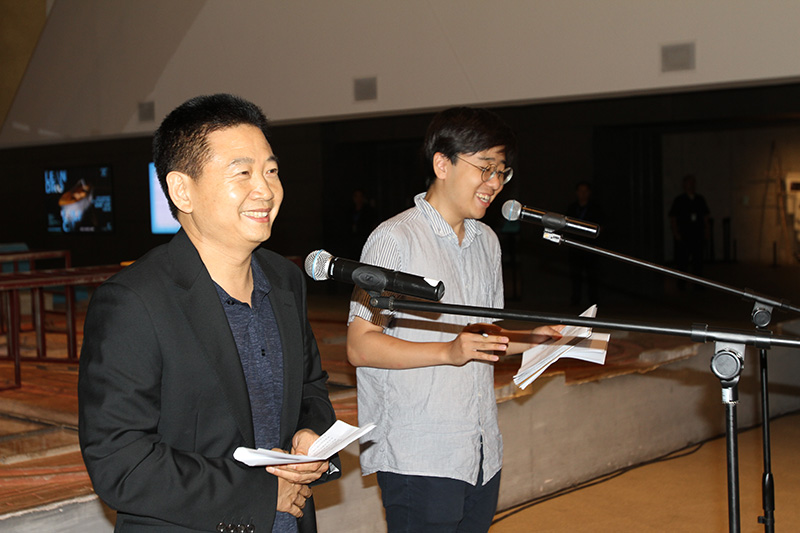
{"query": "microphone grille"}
[(511, 210), (317, 265)]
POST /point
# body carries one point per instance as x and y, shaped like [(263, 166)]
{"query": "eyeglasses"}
[(490, 172)]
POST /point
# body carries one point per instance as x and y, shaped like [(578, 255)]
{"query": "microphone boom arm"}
[(745, 294), (697, 332)]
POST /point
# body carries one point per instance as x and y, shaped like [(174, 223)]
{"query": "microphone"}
[(513, 210), (320, 265)]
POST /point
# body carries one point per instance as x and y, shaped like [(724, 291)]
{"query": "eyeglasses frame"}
[(507, 174)]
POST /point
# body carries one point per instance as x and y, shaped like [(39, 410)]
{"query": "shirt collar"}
[(261, 286), (441, 227)]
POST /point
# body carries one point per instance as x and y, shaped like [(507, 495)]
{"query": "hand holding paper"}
[(576, 342), (332, 441)]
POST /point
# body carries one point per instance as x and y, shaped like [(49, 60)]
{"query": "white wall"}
[(98, 59)]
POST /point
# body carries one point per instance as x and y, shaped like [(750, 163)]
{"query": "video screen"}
[(79, 200), (161, 220)]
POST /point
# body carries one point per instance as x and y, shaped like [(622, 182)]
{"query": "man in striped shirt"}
[(427, 380)]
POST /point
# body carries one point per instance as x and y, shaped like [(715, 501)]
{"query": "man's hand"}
[(301, 473), (476, 342), (508, 342), (522, 340), (301, 442), (293, 479), (292, 497), (546, 333)]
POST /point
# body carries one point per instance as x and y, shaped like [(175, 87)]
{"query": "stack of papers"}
[(332, 441), (576, 342)]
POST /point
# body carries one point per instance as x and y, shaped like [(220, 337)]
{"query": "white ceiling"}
[(97, 60)]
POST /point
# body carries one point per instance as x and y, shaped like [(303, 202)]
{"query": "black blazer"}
[(163, 401)]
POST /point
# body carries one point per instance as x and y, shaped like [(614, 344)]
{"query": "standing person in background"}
[(584, 264), (203, 345), (691, 227), (425, 379)]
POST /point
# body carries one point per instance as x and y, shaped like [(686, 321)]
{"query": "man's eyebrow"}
[(242, 161), (491, 159), (249, 160)]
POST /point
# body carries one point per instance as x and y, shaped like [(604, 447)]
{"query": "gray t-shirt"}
[(431, 421)]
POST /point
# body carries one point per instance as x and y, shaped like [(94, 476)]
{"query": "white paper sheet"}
[(338, 436), (576, 342)]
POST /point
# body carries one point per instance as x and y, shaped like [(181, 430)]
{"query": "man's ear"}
[(441, 165), (179, 187)]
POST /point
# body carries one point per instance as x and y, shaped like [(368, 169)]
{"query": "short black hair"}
[(181, 141), (466, 130)]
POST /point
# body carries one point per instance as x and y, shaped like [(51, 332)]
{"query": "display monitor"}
[(79, 199), (161, 220)]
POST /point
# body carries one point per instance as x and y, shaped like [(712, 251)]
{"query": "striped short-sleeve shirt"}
[(432, 421)]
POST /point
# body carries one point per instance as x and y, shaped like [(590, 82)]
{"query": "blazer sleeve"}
[(133, 467)]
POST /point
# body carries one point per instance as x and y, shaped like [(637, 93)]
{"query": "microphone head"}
[(512, 210), (316, 265)]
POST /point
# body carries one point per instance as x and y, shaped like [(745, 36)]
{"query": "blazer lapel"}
[(208, 321)]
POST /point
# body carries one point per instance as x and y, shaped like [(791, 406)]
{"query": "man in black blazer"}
[(203, 345)]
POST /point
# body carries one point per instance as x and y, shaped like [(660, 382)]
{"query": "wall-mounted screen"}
[(161, 220), (78, 200)]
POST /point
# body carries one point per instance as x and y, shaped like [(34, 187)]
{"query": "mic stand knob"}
[(727, 364), (761, 315)]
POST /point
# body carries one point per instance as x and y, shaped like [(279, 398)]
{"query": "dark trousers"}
[(435, 504), (689, 252)]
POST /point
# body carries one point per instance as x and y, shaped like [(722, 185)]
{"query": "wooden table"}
[(36, 280)]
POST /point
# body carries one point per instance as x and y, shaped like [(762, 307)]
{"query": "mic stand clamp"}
[(375, 297), (552, 235)]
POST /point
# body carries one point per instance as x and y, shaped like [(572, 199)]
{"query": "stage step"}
[(25, 440)]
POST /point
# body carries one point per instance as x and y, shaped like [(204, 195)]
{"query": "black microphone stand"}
[(726, 363), (727, 369)]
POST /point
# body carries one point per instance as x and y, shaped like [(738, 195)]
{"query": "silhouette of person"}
[(584, 265), (690, 222)]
